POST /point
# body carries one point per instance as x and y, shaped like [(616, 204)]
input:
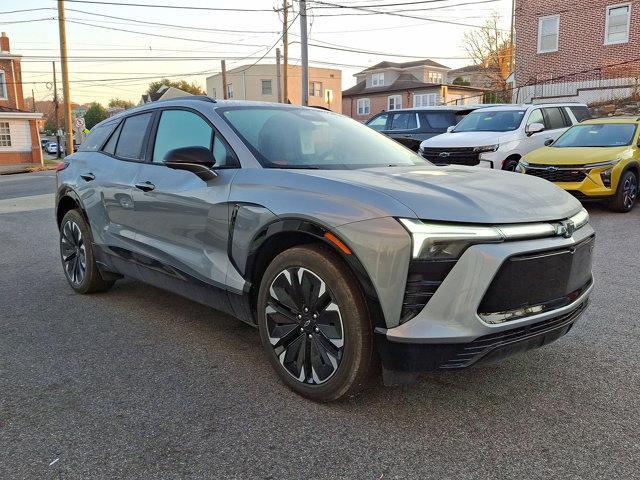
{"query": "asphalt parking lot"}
[(140, 383)]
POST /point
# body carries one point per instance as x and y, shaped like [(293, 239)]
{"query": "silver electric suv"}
[(347, 250)]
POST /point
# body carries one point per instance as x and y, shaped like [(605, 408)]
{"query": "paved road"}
[(139, 383)]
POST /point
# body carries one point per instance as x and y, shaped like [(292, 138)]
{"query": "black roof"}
[(415, 63), (405, 81)]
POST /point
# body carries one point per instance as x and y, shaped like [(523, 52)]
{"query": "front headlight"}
[(486, 148), (448, 241)]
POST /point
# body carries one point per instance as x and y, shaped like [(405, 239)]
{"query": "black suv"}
[(411, 126)]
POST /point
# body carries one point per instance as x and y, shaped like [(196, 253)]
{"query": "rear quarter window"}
[(132, 136), (96, 138)]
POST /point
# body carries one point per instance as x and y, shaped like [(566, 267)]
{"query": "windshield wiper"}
[(294, 167)]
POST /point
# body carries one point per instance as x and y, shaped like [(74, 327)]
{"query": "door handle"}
[(88, 176), (145, 186)]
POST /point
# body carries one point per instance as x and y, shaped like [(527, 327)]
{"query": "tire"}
[(333, 338), (76, 254), (510, 164), (626, 194)]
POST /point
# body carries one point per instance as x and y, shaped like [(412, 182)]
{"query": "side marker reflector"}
[(333, 239)]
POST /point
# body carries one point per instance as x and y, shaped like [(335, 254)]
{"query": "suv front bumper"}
[(449, 333)]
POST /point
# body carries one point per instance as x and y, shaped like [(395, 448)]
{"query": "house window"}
[(364, 106), (548, 31), (3, 86), (435, 77), (394, 102), (315, 88), (617, 26), (229, 90), (5, 134), (424, 99), (266, 87), (377, 79)]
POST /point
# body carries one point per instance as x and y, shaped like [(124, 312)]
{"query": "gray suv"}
[(345, 249)]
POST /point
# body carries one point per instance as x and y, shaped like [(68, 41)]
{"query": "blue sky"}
[(90, 33)]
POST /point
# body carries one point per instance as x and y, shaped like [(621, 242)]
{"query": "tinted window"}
[(179, 128), (223, 154), (285, 137), (580, 112), (132, 136), (536, 117), (439, 120), (598, 135), (378, 123), (110, 147), (491, 121), (97, 137), (555, 118), (403, 121)]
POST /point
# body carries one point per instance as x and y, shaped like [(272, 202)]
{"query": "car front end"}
[(478, 293)]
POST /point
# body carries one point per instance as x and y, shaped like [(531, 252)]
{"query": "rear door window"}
[(110, 147), (554, 118), (132, 136), (404, 121), (581, 112)]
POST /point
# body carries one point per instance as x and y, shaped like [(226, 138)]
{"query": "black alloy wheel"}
[(627, 192), (304, 325), (73, 252)]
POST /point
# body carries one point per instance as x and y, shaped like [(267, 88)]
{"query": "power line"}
[(181, 7)]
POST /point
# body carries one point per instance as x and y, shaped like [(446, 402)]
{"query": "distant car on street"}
[(498, 137), (51, 147), (43, 142), (411, 126)]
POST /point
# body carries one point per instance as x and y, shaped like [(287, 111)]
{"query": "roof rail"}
[(202, 98)]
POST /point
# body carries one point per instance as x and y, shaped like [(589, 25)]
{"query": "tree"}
[(95, 114), (490, 49), (50, 127), (120, 102), (183, 85)]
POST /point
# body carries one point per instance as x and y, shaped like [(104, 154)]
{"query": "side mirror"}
[(534, 128), (450, 128), (548, 142), (198, 160)]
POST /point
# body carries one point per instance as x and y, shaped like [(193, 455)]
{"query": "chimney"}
[(4, 43)]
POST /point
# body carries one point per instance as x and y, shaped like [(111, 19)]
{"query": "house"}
[(390, 86), (584, 50), (163, 93), (19, 137), (260, 83), (472, 76)]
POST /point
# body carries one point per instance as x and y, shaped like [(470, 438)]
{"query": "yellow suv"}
[(594, 160)]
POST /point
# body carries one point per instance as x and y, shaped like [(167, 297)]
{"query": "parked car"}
[(411, 126), (51, 147), (43, 142), (343, 247), (498, 137), (596, 160)]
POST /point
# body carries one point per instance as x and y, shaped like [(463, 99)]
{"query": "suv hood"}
[(462, 194), (577, 155), (468, 139)]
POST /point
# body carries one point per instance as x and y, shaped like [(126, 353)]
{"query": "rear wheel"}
[(314, 324), (76, 253), (626, 194)]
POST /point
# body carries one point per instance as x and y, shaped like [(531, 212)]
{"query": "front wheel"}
[(314, 324), (510, 164), (626, 193)]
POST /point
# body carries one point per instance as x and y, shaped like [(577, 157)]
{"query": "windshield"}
[(304, 138), (491, 121), (598, 135)]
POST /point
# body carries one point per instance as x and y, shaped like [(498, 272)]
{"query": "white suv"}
[(497, 137)]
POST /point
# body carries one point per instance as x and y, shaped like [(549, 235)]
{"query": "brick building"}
[(390, 86), (19, 137), (584, 50)]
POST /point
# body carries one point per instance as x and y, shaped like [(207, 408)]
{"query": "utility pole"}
[(278, 75), (223, 67), (33, 98), (56, 108), (68, 121), (513, 12), (304, 52), (285, 40)]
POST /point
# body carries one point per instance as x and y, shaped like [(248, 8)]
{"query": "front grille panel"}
[(452, 156), (423, 281), (554, 174)]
